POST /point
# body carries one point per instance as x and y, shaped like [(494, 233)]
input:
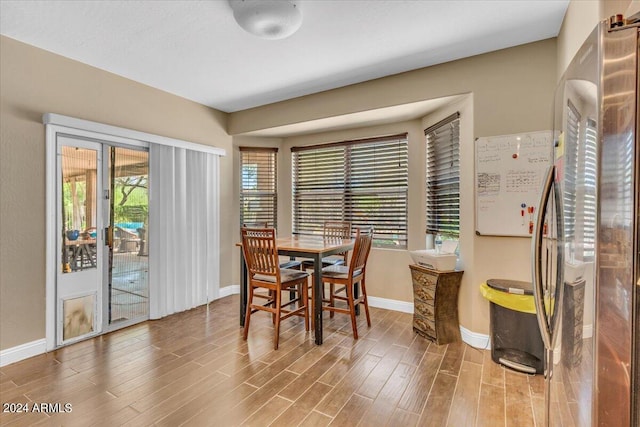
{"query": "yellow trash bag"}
[(522, 303)]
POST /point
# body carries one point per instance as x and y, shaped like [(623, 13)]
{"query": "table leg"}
[(293, 294), (93, 252), (72, 255), (83, 256), (87, 253), (77, 258), (317, 302), (243, 287)]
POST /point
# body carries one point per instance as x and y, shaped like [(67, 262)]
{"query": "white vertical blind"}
[(184, 266), (443, 176)]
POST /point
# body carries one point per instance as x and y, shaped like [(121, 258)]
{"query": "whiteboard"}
[(510, 170)]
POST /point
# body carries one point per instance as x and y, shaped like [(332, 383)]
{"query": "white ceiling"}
[(195, 49)]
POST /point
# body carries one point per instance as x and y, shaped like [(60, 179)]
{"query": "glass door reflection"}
[(128, 291)]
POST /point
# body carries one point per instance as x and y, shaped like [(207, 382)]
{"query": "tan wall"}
[(34, 82), (581, 18), (505, 84), (511, 92), (248, 141)]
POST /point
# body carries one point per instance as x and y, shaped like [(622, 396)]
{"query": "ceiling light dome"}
[(268, 19)]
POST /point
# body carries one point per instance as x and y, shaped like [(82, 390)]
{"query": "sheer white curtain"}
[(184, 262)]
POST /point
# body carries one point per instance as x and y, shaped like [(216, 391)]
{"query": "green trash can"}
[(516, 341)]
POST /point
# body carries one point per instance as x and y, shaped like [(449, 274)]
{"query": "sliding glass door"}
[(102, 220)]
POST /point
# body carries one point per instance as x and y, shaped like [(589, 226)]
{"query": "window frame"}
[(580, 183), (447, 223), (268, 176)]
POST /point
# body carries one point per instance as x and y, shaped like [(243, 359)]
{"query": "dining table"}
[(81, 253), (301, 246)]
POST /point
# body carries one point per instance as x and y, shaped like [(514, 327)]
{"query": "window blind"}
[(572, 143), (364, 182), (443, 176), (258, 185), (586, 182), (580, 184)]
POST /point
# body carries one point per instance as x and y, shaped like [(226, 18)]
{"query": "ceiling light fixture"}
[(268, 19)]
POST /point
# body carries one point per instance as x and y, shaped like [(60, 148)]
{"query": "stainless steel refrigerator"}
[(585, 247)]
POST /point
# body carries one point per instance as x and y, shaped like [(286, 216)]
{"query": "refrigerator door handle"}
[(544, 321), (559, 295)]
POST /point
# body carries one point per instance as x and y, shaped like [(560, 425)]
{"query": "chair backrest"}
[(259, 224), (334, 230), (361, 249), (337, 230), (260, 251)]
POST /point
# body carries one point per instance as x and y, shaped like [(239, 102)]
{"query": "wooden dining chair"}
[(292, 263), (349, 277), (261, 255), (336, 230), (333, 230)]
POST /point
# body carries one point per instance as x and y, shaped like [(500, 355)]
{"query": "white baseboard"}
[(34, 348), (475, 339), (229, 290), (391, 304), (22, 351), (482, 341), (388, 304)]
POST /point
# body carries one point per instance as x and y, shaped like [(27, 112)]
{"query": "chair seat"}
[(338, 271), (286, 275), (326, 261), (333, 260), (291, 264)]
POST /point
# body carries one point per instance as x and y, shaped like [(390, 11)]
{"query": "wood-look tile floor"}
[(194, 369)]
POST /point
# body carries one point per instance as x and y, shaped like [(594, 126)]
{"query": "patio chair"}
[(125, 241)]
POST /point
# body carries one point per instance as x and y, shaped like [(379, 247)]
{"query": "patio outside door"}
[(100, 285), (127, 299)]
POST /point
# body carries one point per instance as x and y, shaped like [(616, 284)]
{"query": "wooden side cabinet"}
[(435, 308)]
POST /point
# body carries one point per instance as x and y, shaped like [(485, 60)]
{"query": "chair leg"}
[(363, 289), (352, 310), (332, 301), (311, 305), (247, 317), (273, 298), (276, 336), (305, 300)]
